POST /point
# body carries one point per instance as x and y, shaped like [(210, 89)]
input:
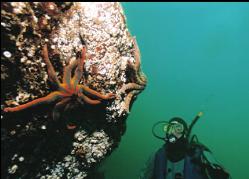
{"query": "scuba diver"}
[(182, 156)]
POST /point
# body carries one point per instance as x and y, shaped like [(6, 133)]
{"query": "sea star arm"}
[(129, 99), (131, 86), (136, 54), (51, 72), (67, 72), (79, 69), (140, 78), (88, 100), (44, 100), (58, 107), (95, 93)]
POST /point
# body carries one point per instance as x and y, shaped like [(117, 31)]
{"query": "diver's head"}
[(176, 136), (175, 130), (176, 140)]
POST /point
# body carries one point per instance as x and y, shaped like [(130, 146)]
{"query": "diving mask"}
[(174, 130), (174, 127)]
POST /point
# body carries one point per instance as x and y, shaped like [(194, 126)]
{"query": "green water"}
[(196, 57)]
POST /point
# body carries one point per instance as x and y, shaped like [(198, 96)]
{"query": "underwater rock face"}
[(35, 146)]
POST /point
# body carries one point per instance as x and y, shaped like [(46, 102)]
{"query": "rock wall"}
[(35, 146)]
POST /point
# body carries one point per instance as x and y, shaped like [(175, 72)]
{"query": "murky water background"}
[(196, 57)]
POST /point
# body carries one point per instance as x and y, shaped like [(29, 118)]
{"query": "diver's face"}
[(176, 129)]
